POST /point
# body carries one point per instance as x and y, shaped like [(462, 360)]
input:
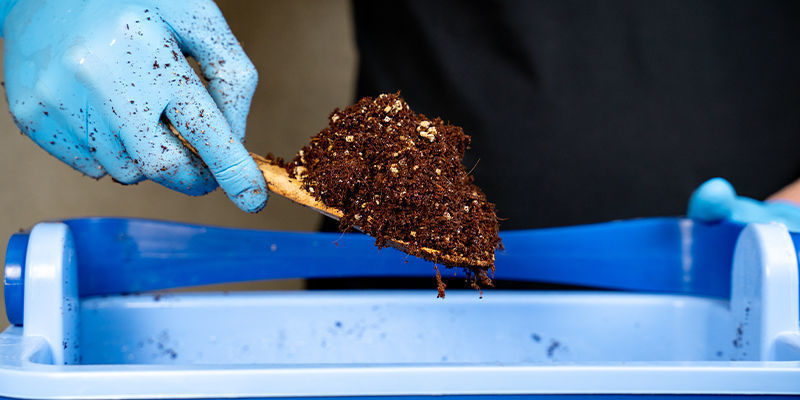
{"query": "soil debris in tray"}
[(398, 175)]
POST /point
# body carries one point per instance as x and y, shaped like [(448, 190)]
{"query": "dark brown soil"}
[(399, 175)]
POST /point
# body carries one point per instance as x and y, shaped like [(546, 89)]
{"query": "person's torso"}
[(591, 111)]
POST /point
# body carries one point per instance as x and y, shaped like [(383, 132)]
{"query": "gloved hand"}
[(716, 200), (91, 82)]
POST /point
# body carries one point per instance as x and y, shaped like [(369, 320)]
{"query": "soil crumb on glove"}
[(398, 175)]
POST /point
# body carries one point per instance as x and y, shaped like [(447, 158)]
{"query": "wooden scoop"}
[(279, 182)]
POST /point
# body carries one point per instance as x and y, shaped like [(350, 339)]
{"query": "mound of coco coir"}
[(398, 176)]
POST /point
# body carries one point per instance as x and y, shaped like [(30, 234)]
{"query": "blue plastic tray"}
[(91, 341)]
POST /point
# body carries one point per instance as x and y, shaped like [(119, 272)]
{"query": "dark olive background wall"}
[(305, 55)]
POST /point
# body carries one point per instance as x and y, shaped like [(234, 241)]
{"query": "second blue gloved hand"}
[(716, 200), (93, 81)]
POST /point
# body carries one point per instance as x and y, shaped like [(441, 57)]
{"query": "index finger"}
[(197, 118)]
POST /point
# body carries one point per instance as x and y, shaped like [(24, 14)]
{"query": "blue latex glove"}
[(716, 200), (89, 81)]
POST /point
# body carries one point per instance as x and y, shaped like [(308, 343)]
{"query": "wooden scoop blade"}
[(279, 182)]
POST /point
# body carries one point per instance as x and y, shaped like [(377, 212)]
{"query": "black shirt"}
[(588, 111)]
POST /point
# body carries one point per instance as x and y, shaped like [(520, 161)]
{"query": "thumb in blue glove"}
[(93, 83), (716, 200)]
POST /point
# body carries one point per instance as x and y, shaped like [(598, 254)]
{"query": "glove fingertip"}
[(251, 200), (244, 183), (712, 201)]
